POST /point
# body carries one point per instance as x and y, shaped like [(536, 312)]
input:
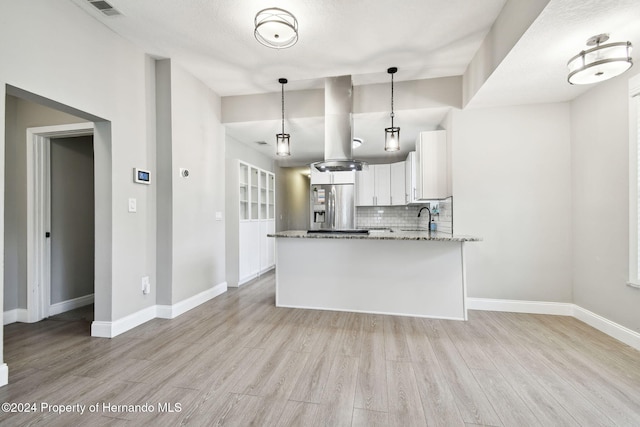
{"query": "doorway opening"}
[(61, 227), (33, 124)]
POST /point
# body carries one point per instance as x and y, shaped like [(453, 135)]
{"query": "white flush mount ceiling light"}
[(392, 134), (601, 62), (282, 139), (276, 28)]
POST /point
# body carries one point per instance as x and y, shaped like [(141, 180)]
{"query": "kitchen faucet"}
[(428, 210)]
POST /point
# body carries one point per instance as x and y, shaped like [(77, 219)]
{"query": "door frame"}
[(39, 213)]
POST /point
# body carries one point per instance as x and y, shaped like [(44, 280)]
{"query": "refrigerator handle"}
[(333, 208)]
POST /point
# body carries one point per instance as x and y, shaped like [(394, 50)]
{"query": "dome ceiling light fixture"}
[(357, 142), (392, 134), (283, 147), (601, 62), (276, 28)]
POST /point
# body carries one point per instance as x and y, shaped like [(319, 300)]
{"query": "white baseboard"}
[(15, 315), (515, 306), (111, 329), (175, 310), (71, 304), (619, 332), (251, 277), (383, 313), (4, 374)]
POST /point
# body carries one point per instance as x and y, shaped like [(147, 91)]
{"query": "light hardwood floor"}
[(239, 361)]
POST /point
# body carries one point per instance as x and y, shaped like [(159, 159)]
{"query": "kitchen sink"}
[(413, 229)]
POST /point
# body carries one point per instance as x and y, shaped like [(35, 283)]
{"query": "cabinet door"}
[(382, 184), (244, 191), (410, 177), (253, 176), (272, 196), (264, 241), (365, 187), (398, 189), (432, 166), (318, 177), (249, 250), (263, 194), (271, 244)]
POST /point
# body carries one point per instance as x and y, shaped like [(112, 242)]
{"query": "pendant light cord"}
[(283, 108), (392, 100)]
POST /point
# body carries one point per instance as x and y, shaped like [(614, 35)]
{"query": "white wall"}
[(198, 145), (600, 174), (91, 70), (511, 186)]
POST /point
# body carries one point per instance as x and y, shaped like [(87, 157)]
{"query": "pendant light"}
[(276, 28), (282, 139), (601, 62), (392, 134)]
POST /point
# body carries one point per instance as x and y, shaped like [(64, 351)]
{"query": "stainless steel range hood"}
[(338, 127)]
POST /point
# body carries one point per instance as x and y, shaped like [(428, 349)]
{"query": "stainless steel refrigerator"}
[(333, 207)]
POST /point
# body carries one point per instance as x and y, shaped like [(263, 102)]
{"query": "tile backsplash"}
[(406, 216)]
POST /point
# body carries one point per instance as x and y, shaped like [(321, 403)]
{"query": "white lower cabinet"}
[(249, 250), (257, 251)]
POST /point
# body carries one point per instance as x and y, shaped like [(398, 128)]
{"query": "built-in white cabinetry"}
[(428, 172), (317, 177), (256, 220)]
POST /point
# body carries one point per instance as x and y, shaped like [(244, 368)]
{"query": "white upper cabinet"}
[(382, 184), (373, 186), (365, 187), (432, 169), (410, 178), (398, 190), (317, 177)]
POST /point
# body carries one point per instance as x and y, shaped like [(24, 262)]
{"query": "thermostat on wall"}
[(141, 176)]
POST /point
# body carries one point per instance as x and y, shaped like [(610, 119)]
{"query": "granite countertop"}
[(380, 235)]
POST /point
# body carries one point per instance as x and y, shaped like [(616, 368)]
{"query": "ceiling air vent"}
[(104, 7), (261, 142)]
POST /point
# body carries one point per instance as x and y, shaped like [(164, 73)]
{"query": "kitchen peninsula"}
[(408, 273)]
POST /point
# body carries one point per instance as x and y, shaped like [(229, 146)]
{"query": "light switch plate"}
[(218, 216), (133, 205)]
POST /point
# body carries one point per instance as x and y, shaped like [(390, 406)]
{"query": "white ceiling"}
[(535, 71), (213, 39)]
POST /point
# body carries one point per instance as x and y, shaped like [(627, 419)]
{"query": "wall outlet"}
[(133, 205), (146, 286)]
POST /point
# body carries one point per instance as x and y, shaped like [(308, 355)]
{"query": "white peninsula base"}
[(398, 277)]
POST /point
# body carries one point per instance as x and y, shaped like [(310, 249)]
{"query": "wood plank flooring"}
[(240, 361)]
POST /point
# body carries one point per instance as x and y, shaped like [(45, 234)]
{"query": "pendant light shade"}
[(276, 28), (392, 134), (601, 62), (282, 139)]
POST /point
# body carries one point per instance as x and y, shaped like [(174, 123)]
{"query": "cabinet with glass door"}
[(257, 219)]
